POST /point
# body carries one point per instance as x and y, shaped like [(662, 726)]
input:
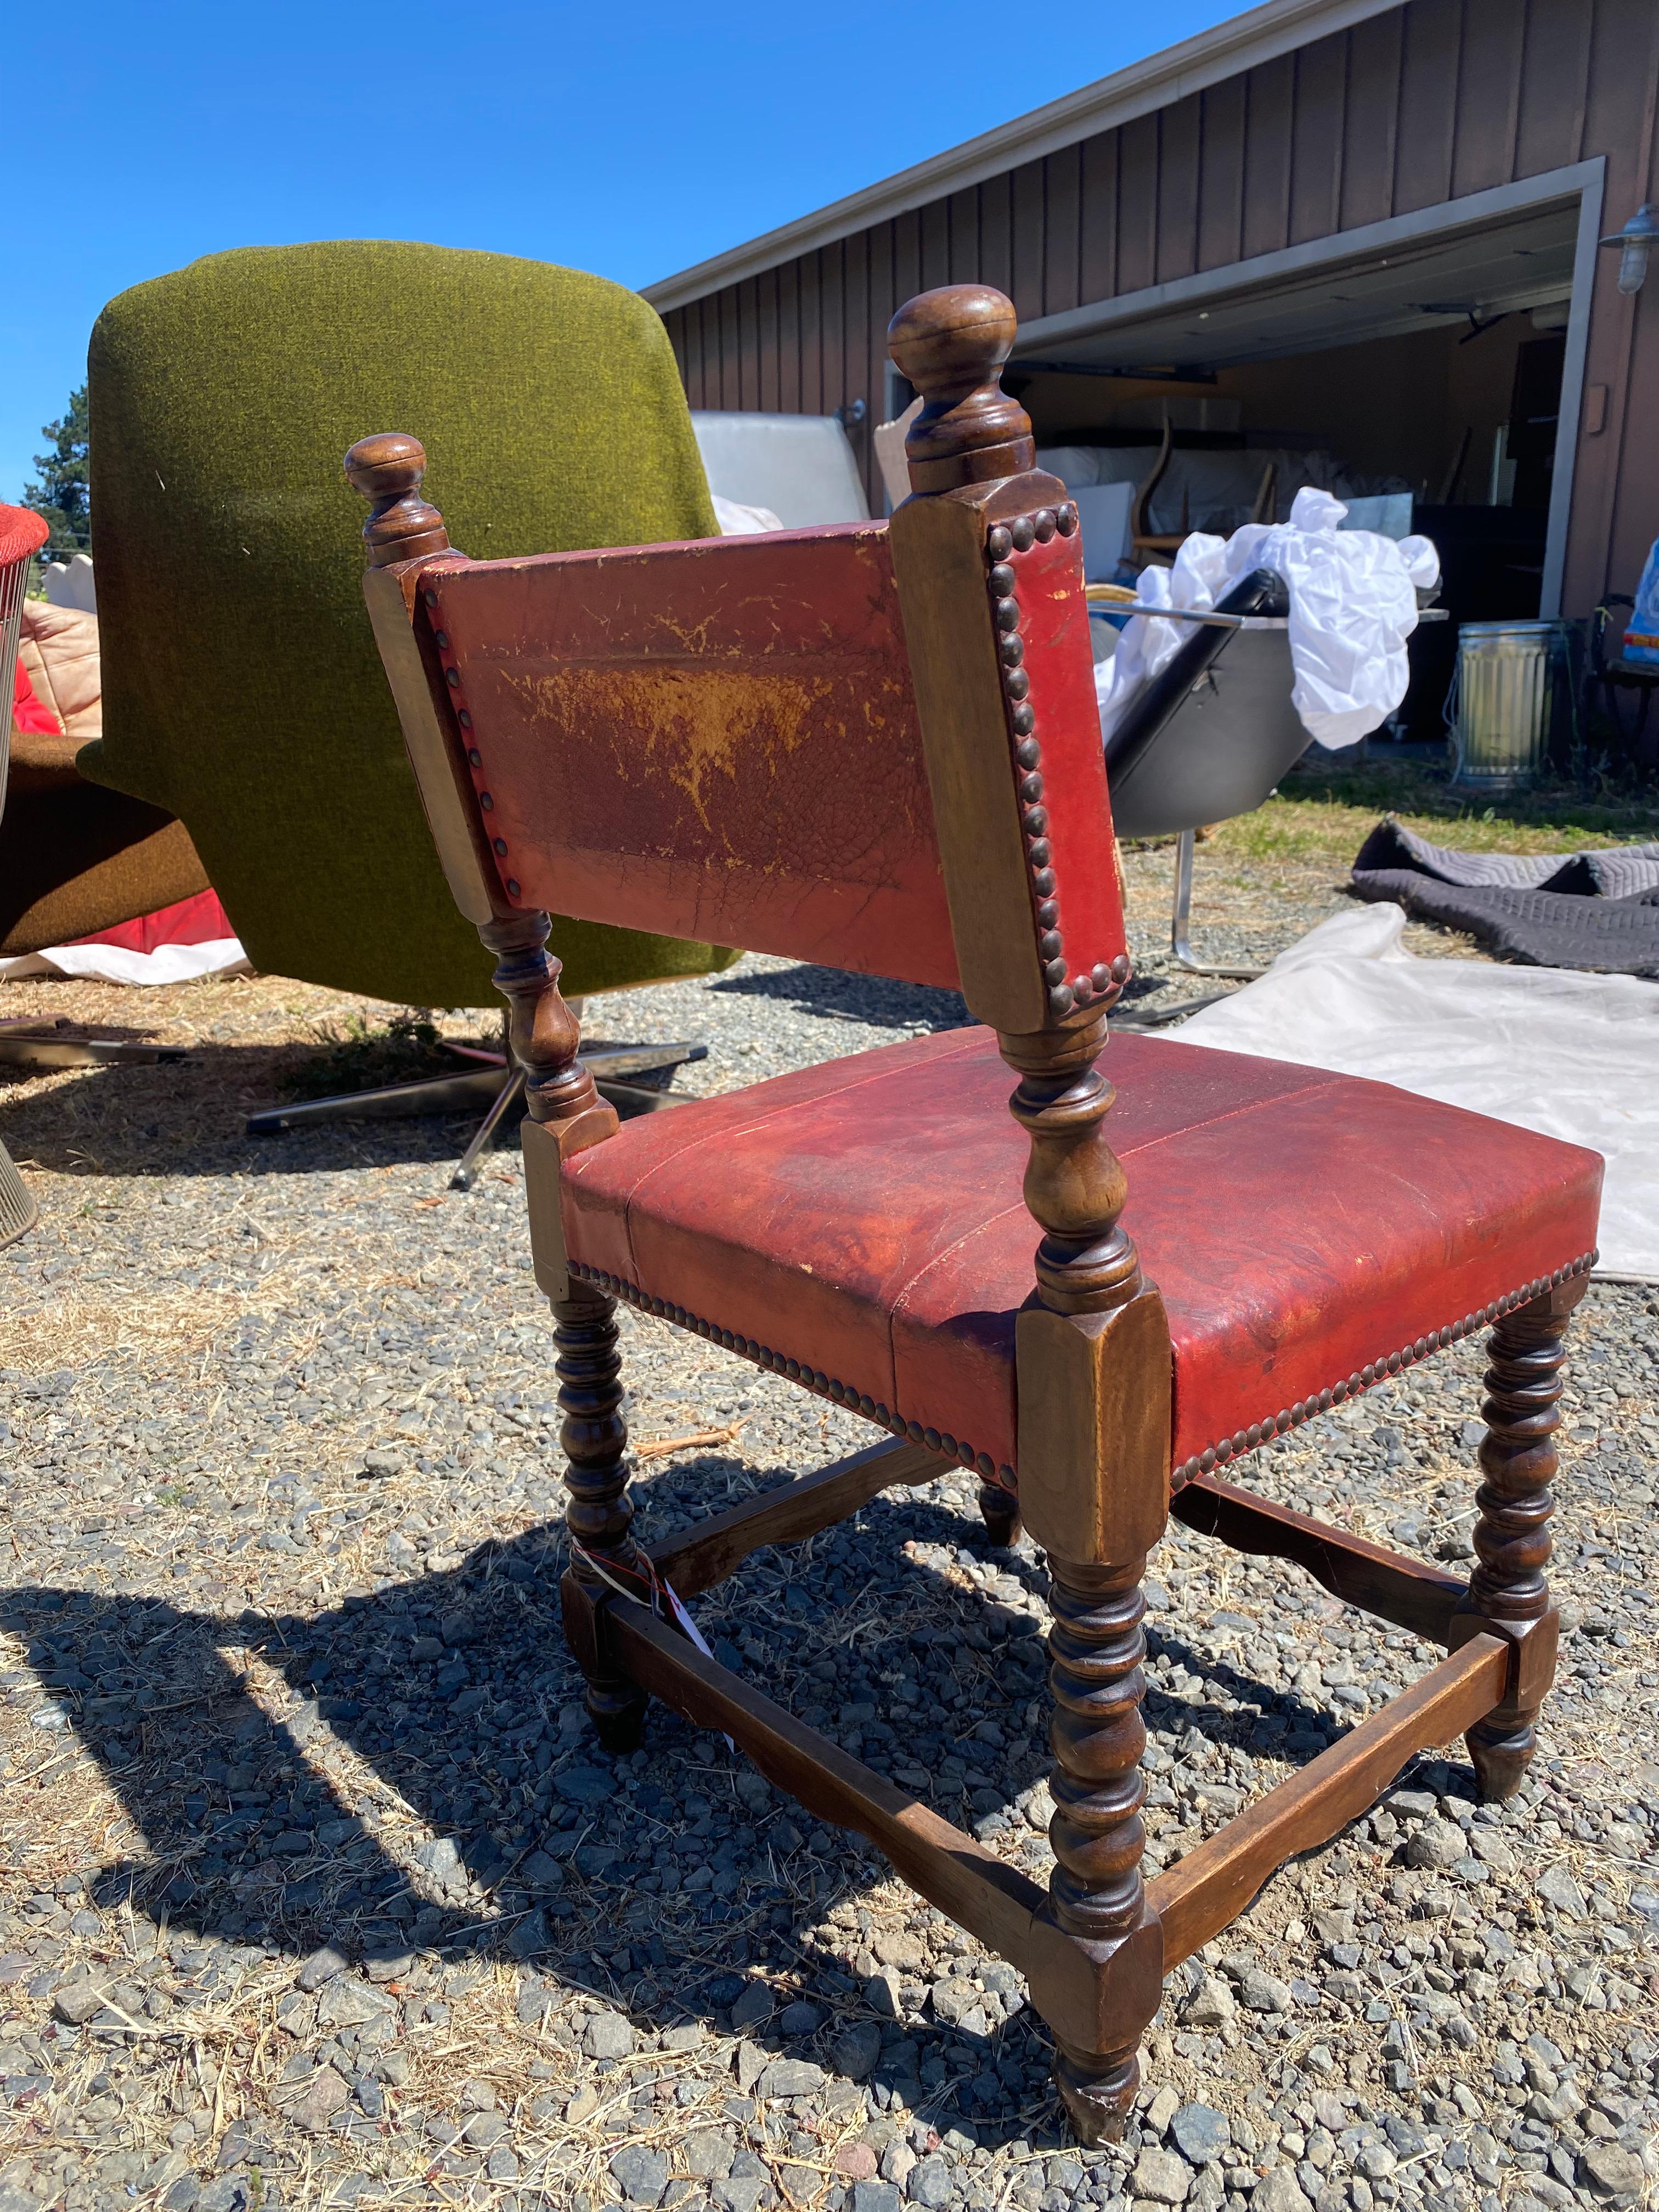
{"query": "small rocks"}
[(703, 1971), (1558, 1885), (1265, 1993), (709, 2155), (875, 2197), (530, 1938), (928, 2184), (753, 2008), (1165, 2103), (348, 2001), (1436, 1844), (883, 1996), (325, 2094), (1201, 2134), (1279, 2191), (77, 2002), (641, 2173), (790, 2077), (1161, 2177), (1612, 2172), (1210, 2005), (586, 1786), (854, 2051), (954, 1999), (1410, 1804), (608, 2035), (321, 1966)]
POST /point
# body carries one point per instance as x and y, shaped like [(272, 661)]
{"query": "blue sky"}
[(633, 140)]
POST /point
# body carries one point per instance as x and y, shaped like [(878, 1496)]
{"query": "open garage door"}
[(1437, 352)]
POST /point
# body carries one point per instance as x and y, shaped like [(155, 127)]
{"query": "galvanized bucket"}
[(1503, 701)]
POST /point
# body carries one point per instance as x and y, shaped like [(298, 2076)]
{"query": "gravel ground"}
[(315, 1889)]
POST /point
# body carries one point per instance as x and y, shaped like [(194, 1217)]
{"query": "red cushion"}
[(30, 713), (865, 1219), (199, 920)]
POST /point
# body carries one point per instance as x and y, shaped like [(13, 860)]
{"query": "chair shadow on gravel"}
[(161, 1699), (836, 994), (187, 1118)]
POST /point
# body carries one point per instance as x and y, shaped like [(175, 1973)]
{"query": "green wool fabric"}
[(242, 691)]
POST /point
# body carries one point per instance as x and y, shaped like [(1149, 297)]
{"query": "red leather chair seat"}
[(864, 1217)]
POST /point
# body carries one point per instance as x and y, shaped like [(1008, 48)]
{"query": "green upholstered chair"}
[(242, 690)]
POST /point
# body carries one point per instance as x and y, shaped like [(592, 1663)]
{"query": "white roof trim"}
[(1244, 42)]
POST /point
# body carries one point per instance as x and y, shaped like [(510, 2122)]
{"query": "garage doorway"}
[(1435, 356)]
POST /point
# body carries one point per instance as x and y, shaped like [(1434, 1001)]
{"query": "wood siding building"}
[(1285, 148)]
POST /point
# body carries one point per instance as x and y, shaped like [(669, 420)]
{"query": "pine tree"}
[(63, 494)]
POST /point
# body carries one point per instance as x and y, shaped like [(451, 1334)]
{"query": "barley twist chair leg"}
[(1097, 1647), (600, 1515), (1515, 1504)]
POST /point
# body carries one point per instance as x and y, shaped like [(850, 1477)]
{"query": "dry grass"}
[(1325, 814)]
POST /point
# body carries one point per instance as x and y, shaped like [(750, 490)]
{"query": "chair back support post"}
[(1093, 1360), (980, 509), (405, 541)]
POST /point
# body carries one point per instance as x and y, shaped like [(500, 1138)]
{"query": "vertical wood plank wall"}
[(1426, 102)]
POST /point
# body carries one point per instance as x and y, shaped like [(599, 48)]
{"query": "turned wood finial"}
[(951, 345), (387, 469)]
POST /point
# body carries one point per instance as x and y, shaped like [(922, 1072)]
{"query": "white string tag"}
[(689, 1629)]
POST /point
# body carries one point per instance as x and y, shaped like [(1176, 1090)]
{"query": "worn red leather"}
[(719, 741), (864, 1217), (1054, 629), (716, 741)]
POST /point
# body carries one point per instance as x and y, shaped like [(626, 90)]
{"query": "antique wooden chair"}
[(876, 744)]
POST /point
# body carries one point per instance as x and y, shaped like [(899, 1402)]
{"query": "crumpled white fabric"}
[(1569, 1055), (737, 520), (1353, 603), (114, 963)]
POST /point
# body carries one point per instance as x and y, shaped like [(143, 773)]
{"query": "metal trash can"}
[(1503, 701)]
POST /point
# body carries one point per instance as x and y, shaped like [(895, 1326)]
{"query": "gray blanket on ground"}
[(1597, 910)]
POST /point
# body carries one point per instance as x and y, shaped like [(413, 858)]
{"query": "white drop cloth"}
[(113, 963), (1572, 1055)]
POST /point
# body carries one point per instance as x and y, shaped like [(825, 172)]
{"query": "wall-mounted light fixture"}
[(1636, 240)]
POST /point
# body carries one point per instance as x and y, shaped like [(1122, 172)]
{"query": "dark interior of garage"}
[(1433, 375)]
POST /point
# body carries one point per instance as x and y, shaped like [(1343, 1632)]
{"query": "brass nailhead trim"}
[(1363, 1378), (1002, 542), (810, 1378), (463, 715), (1218, 1454)]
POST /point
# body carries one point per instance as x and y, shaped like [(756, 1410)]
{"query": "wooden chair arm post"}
[(1093, 1360)]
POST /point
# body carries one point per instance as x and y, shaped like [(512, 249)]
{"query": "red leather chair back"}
[(721, 734), (721, 741)]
